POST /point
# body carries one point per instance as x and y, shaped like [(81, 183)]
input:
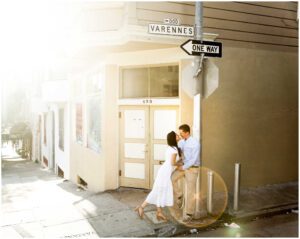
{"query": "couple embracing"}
[(184, 154)]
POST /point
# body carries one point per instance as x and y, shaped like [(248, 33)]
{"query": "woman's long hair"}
[(171, 139)]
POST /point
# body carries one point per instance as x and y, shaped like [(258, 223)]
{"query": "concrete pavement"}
[(36, 203)]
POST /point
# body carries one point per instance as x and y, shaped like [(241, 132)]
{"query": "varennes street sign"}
[(171, 27)]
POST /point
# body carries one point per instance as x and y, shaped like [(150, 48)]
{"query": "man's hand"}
[(180, 168), (179, 163)]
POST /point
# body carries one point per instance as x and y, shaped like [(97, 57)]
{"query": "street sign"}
[(205, 84), (197, 47), (210, 78), (175, 30)]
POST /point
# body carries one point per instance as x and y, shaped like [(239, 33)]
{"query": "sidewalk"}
[(36, 203), (257, 201)]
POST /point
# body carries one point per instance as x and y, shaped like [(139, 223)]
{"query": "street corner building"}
[(101, 121)]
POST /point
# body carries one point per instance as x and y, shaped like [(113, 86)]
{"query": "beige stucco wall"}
[(111, 127), (89, 165), (186, 100), (186, 109), (252, 118)]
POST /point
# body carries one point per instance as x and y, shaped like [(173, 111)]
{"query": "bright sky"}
[(34, 32)]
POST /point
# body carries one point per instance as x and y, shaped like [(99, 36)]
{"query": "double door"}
[(143, 133)]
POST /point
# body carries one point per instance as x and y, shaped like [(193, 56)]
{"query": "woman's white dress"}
[(162, 191)]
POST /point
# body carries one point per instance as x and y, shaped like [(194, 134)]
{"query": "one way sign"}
[(197, 47)]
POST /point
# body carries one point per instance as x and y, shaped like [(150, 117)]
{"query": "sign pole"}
[(198, 61)]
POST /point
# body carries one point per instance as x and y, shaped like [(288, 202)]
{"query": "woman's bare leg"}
[(159, 214), (140, 209), (144, 204)]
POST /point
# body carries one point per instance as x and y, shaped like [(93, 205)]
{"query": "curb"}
[(238, 217), (265, 212)]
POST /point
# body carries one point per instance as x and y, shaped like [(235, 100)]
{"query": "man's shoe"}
[(187, 218)]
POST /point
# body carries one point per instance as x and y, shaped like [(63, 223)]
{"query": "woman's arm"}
[(173, 159), (179, 162)]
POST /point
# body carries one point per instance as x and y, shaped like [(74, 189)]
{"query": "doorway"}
[(143, 132)]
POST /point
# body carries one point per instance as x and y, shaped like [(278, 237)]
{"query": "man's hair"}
[(185, 128)]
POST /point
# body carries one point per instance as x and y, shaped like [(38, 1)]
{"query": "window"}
[(164, 81), (160, 81), (94, 83), (79, 130), (135, 83), (61, 126), (94, 122), (93, 111)]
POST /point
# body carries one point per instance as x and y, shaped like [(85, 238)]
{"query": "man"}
[(190, 148)]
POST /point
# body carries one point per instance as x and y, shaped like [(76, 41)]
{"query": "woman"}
[(162, 192)]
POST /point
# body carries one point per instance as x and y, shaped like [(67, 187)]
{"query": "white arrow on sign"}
[(188, 47)]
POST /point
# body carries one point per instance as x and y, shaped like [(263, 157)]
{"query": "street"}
[(284, 225)]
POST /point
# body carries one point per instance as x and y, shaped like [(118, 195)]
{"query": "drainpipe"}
[(198, 63)]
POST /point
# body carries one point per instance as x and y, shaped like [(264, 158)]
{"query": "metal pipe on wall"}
[(210, 183), (236, 195), (185, 199)]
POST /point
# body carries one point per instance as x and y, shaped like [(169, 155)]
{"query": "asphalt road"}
[(283, 225)]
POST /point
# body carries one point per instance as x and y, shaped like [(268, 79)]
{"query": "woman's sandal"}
[(160, 216), (140, 211)]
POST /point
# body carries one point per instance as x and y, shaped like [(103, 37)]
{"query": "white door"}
[(134, 138), (164, 119)]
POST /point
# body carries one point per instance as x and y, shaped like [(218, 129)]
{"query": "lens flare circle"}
[(202, 217)]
